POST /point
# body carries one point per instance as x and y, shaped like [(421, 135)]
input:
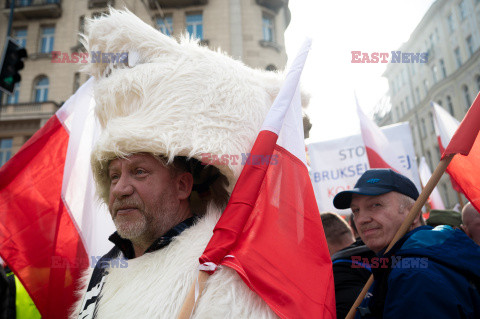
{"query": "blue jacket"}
[(433, 273)]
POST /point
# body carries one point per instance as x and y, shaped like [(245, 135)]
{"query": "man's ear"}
[(184, 185)]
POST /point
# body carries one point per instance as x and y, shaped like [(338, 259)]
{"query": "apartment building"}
[(450, 34)]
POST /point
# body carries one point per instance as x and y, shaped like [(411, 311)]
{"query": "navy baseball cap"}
[(376, 182)]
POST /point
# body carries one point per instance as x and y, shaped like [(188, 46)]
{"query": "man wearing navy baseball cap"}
[(429, 272)]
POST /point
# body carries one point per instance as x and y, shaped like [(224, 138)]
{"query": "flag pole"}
[(417, 207), (190, 302), (460, 199)]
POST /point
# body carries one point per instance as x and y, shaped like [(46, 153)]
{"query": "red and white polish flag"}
[(271, 231), (465, 143), (50, 227), (435, 200), (380, 152)]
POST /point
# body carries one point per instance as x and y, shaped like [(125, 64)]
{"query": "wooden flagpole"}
[(190, 302), (417, 207)]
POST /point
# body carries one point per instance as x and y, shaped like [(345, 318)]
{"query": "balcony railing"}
[(34, 9), (163, 4), (26, 111), (274, 5)]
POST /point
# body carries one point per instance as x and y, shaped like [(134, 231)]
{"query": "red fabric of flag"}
[(281, 252), (466, 134), (464, 168), (38, 240)]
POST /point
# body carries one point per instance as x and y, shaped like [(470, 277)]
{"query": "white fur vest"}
[(156, 284)]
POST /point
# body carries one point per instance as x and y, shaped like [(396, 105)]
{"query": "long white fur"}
[(182, 99), (156, 284)]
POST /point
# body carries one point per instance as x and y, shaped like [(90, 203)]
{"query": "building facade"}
[(450, 34), (249, 30)]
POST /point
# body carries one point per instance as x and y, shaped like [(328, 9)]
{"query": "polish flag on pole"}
[(445, 126), (271, 232), (435, 200), (48, 219), (380, 152), (464, 167)]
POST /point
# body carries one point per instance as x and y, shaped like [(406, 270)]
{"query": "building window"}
[(458, 57), (47, 39), (451, 23), (407, 102), (445, 193), (468, 101), (23, 3), (463, 9), (21, 36), (81, 28), (13, 98), (402, 108), (419, 98), (5, 150), (434, 74), (469, 45), (76, 81), (268, 27), (425, 86), (423, 129), (442, 67), (439, 102), (195, 25), (165, 25), (432, 123), (429, 160), (41, 89), (450, 105)]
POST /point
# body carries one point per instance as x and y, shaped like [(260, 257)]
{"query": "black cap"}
[(376, 182)]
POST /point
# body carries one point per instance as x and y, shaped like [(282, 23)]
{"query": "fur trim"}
[(156, 284), (182, 99)]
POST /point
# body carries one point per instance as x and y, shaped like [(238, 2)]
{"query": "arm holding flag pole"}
[(417, 207)]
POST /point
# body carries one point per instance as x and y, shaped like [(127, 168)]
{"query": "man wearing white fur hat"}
[(161, 113)]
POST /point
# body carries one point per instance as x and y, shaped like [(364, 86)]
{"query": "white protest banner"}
[(337, 164)]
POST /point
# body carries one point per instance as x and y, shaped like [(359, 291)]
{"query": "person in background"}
[(350, 272), (339, 235), (471, 222), (444, 217), (429, 272)]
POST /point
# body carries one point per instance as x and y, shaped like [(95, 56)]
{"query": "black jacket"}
[(350, 276)]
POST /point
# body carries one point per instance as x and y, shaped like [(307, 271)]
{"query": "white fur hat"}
[(179, 99)]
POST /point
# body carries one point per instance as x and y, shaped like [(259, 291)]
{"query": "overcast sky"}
[(337, 28)]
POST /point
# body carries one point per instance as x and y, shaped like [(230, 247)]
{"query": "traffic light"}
[(11, 64)]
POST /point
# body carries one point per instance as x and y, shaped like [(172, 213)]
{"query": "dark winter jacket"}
[(350, 274), (432, 273)]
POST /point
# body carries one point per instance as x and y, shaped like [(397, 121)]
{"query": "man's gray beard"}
[(147, 228), (131, 230)]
